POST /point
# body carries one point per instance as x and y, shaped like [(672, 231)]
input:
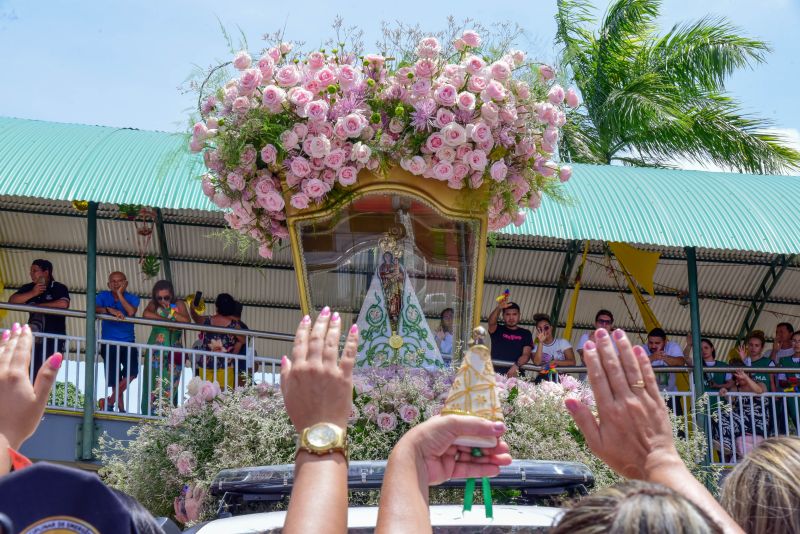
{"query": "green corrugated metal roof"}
[(674, 208), (609, 203), (117, 165)]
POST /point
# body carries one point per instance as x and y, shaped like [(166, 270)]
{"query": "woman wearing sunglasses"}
[(162, 373), (550, 352)]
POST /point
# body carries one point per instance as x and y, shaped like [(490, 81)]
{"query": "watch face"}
[(321, 436)]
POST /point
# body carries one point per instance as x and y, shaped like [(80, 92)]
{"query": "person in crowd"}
[(246, 365), (221, 369), (747, 422), (665, 353), (121, 361), (762, 492), (43, 291), (511, 344), (444, 335), (602, 319), (790, 382), (712, 381), (782, 345), (752, 356), (635, 506), (317, 389), (163, 368), (550, 352)]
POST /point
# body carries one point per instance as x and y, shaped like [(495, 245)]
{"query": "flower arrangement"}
[(181, 454), (301, 129)]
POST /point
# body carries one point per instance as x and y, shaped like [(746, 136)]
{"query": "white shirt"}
[(553, 351), (670, 349), (445, 345), (782, 353), (795, 361)]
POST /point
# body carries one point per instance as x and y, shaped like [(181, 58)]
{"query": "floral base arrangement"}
[(299, 128), (181, 454)]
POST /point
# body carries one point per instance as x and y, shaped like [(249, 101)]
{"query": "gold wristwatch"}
[(323, 438)]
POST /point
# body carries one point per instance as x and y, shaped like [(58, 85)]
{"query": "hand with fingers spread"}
[(426, 456), (633, 434), (22, 403), (317, 388)]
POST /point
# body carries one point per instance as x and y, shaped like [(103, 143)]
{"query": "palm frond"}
[(628, 18), (572, 18), (705, 53)]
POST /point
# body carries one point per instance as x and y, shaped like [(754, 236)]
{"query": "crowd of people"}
[(631, 433)]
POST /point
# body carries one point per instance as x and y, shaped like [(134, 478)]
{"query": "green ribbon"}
[(469, 491)]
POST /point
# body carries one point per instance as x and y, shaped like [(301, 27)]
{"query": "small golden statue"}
[(473, 391)]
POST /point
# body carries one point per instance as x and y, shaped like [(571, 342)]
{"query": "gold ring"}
[(638, 384)]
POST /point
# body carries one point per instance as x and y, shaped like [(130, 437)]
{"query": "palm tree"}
[(649, 98)]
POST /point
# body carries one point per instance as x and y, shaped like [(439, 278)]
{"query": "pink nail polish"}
[(601, 333), (499, 427), (6, 335), (335, 317), (306, 319), (283, 360), (26, 328), (55, 361), (354, 329), (15, 328), (618, 334), (570, 405), (325, 311), (589, 345)]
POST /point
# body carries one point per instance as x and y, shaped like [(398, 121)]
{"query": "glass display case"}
[(404, 258)]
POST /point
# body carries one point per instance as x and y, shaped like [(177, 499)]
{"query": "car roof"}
[(366, 517)]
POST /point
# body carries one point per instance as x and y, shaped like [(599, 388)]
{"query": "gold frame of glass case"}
[(462, 205)]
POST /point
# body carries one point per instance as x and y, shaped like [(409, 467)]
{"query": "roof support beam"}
[(162, 245), (87, 429), (570, 256), (762, 294)]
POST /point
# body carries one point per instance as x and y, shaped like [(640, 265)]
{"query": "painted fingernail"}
[(55, 361), (601, 333), (618, 334), (15, 328), (306, 319), (589, 345), (26, 328), (283, 360), (354, 329), (7, 334), (499, 427), (335, 317), (325, 311), (571, 405)]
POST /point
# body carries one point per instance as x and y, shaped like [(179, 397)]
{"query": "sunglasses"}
[(604, 321), (544, 328), (164, 299)]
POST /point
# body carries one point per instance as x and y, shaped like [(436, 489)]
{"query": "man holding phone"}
[(44, 292)]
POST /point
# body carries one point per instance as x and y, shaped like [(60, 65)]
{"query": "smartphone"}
[(197, 296)]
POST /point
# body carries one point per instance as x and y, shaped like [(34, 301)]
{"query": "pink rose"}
[(434, 142), (444, 117), (248, 156), (300, 129), (523, 90), (445, 94), (417, 165), (443, 170), (347, 175), (477, 160), (315, 188), (348, 76), (396, 125), (459, 44), (370, 411), (287, 76), (460, 170), (289, 140), (465, 101), (199, 131), (556, 94), (272, 201), (208, 105), (428, 47), (235, 181), (269, 154), (241, 104), (208, 187), (242, 60), (446, 153), (519, 219), (185, 463), (550, 135), (494, 91), (299, 201), (454, 134), (274, 53), (352, 124), (474, 64), (279, 230), (375, 60), (325, 77), (500, 70), (316, 60), (221, 200), (546, 72), (409, 413), (299, 97), (209, 391), (490, 112), (421, 87), (300, 166), (481, 133), (317, 146), (518, 56), (572, 98), (360, 153), (265, 251), (424, 68), (250, 79), (285, 48), (498, 171), (535, 200), (273, 97), (478, 83), (471, 38), (267, 67), (316, 110), (386, 421), (476, 180), (336, 158), (565, 173)]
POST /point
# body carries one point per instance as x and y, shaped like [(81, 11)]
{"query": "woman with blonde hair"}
[(762, 493)]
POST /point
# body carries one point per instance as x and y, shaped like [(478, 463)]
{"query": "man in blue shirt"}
[(122, 361)]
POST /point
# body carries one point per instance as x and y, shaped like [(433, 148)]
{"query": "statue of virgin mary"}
[(392, 326)]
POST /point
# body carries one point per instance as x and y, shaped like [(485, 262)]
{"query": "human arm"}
[(493, 318), (569, 359), (426, 456), (318, 389), (24, 295), (745, 382), (633, 434), (129, 307), (524, 358), (181, 312), (58, 303)]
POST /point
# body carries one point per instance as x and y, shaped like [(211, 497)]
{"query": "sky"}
[(121, 63)]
